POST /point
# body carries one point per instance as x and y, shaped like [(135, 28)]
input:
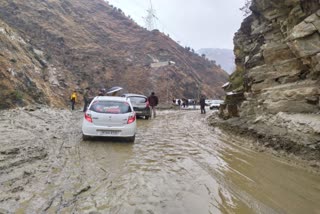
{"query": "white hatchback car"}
[(109, 116)]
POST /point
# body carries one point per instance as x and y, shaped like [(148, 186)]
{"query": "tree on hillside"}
[(246, 8)]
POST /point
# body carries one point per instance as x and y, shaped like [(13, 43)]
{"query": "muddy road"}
[(178, 164)]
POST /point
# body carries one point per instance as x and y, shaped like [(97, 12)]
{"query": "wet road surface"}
[(178, 164)]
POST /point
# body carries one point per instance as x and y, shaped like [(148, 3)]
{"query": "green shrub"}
[(236, 79), (13, 60), (17, 95)]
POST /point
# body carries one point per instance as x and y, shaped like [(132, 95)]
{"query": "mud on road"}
[(178, 164)]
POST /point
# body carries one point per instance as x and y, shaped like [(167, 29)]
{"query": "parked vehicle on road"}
[(140, 104), (215, 104), (110, 116)]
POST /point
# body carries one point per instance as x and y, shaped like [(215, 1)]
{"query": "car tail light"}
[(131, 118), (88, 117), (148, 105)]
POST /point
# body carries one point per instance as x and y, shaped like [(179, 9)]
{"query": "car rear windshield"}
[(110, 107), (138, 99)]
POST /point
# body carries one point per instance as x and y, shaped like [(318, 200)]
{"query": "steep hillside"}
[(223, 57), (64, 45), (278, 67)]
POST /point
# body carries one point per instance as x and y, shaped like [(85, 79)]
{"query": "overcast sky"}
[(194, 23)]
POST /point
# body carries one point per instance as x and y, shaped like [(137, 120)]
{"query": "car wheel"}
[(146, 117), (85, 137), (131, 139)]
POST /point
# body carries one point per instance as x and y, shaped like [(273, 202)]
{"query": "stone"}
[(317, 25), (289, 106), (311, 18), (257, 120), (290, 94), (258, 87), (306, 47), (316, 59), (291, 2), (261, 29), (275, 52), (255, 60), (312, 100), (261, 73), (301, 30), (262, 5), (272, 14), (289, 67), (293, 94)]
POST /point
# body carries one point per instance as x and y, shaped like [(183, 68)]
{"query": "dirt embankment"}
[(294, 136)]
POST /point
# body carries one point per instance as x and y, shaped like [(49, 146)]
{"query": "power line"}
[(172, 32)]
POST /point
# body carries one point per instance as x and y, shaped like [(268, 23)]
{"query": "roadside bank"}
[(294, 136)]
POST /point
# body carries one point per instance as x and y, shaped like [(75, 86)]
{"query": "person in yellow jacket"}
[(73, 99)]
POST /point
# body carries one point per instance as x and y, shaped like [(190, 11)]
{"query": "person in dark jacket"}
[(86, 98), (202, 104), (102, 92), (153, 102)]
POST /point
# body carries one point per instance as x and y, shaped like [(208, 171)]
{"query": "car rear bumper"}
[(89, 129), (214, 107), (143, 112)]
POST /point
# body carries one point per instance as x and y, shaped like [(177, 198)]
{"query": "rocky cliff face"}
[(278, 67), (51, 47)]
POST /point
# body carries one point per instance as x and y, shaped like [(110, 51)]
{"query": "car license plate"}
[(138, 112), (109, 132)]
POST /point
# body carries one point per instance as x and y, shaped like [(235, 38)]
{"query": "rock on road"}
[(178, 164)]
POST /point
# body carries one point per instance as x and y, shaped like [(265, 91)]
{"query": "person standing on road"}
[(153, 102), (202, 105), (86, 98), (102, 92), (73, 99)]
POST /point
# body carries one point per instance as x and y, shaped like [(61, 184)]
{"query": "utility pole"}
[(150, 18)]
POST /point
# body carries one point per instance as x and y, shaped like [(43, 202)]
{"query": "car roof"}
[(134, 95), (110, 98)]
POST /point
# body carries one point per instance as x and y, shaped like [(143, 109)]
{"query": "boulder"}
[(289, 106), (317, 25), (307, 46), (302, 30), (276, 52)]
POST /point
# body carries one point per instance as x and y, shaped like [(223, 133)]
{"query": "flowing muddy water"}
[(178, 164)]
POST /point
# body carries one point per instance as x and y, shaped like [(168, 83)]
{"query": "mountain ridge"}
[(75, 44), (222, 56)]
